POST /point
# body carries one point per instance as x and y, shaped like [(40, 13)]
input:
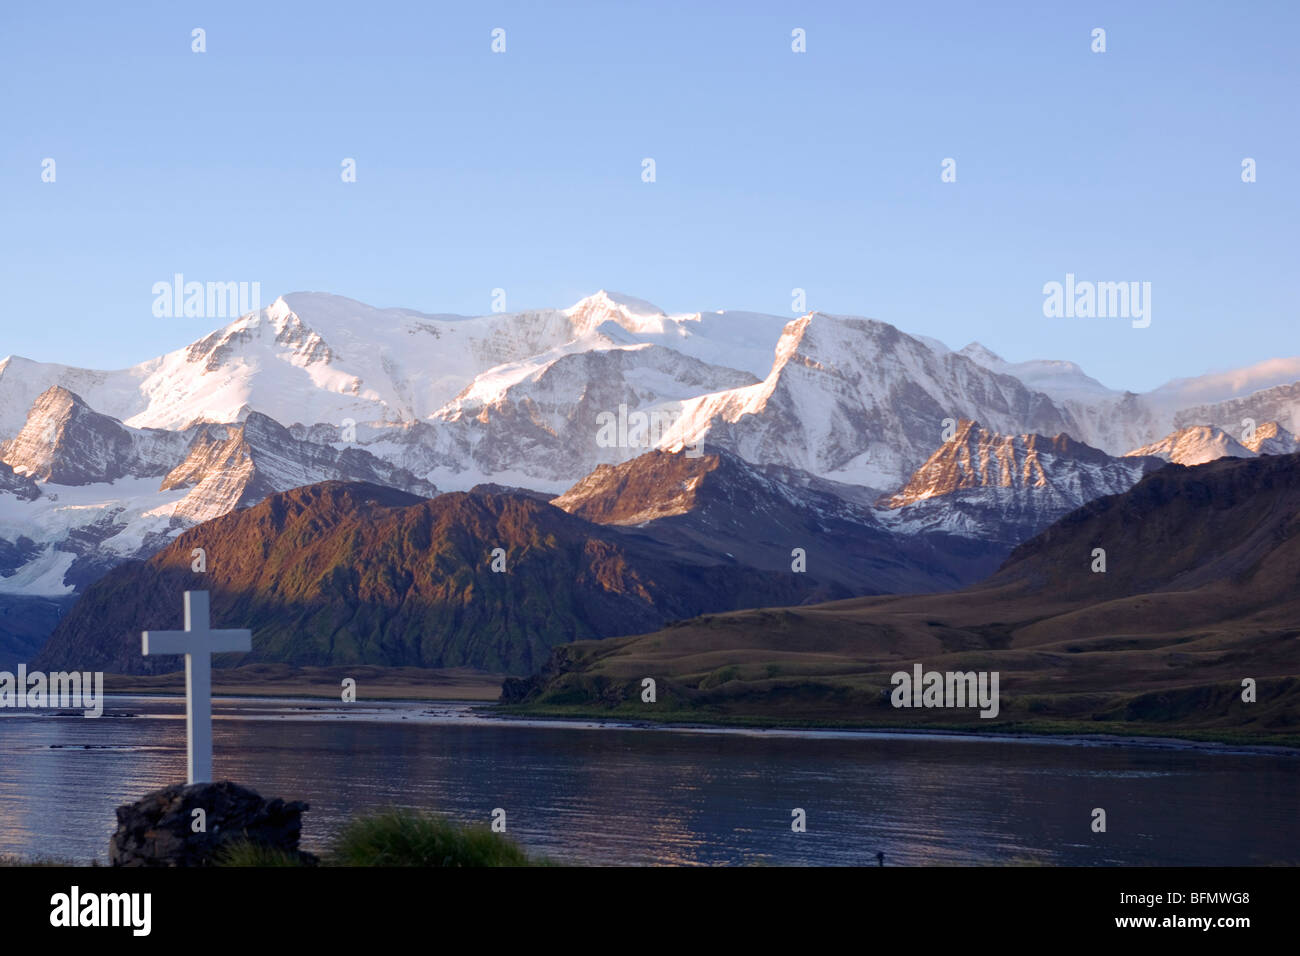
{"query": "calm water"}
[(605, 794)]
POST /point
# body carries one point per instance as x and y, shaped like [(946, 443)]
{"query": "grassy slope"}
[(1201, 592), (766, 668)]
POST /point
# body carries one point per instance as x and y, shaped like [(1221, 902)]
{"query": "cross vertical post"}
[(197, 642)]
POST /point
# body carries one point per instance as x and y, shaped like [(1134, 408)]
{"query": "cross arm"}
[(229, 640), (168, 642), (196, 642)]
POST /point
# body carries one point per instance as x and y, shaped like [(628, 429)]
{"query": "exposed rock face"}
[(978, 458), (1007, 488), (18, 485), (158, 829), (14, 554), (66, 442), (231, 466), (658, 484)]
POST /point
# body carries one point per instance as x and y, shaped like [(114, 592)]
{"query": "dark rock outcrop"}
[(19, 485), (158, 829)]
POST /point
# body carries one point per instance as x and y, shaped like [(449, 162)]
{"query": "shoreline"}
[(1206, 742), (487, 710), (323, 683)]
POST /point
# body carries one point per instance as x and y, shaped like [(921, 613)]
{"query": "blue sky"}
[(775, 170)]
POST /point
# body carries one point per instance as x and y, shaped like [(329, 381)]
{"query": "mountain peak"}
[(635, 315), (982, 355), (1195, 445), (66, 442), (1271, 438), (976, 457), (654, 485), (604, 298), (58, 397)]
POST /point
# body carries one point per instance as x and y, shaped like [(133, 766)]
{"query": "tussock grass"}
[(247, 853), (405, 838)]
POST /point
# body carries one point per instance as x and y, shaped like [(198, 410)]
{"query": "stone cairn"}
[(163, 829)]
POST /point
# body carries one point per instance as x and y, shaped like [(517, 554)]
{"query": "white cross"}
[(197, 642)]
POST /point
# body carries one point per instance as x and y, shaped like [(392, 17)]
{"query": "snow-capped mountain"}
[(1115, 421), (976, 458), (512, 397), (97, 465), (1007, 488), (1060, 379), (66, 442), (855, 400), (1195, 446), (540, 418), (1271, 438), (1278, 403), (80, 492), (70, 534), (232, 466), (312, 357)]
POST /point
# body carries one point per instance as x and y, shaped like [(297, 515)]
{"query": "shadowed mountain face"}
[(339, 573), (720, 503), (1199, 592), (979, 495), (25, 622), (1230, 528)]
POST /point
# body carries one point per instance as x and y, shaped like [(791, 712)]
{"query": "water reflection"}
[(612, 795)]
